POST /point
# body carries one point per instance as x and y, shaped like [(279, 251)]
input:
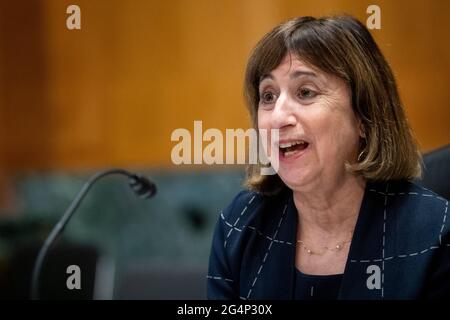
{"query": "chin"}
[(295, 179)]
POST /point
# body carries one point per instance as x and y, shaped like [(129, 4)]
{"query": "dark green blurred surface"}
[(174, 228)]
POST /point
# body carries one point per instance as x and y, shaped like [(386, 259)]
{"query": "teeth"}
[(290, 144), (289, 153)]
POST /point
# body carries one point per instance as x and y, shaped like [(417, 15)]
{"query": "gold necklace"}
[(337, 247)]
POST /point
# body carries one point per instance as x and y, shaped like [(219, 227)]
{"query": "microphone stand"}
[(141, 185)]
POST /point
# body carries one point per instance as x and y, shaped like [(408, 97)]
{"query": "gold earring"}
[(365, 145), (360, 155)]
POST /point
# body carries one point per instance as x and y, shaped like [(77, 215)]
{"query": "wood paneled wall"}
[(112, 92)]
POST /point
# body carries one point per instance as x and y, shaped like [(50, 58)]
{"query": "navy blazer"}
[(400, 247)]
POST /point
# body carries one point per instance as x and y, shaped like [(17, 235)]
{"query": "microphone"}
[(142, 186)]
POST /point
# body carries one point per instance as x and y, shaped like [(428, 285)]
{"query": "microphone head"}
[(142, 186)]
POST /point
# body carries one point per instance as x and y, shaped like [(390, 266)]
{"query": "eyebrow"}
[(293, 75)]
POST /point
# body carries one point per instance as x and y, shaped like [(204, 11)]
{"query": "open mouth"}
[(289, 149)]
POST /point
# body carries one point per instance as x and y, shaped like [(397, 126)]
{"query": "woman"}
[(340, 219)]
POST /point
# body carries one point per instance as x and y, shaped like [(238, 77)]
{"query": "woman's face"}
[(318, 129)]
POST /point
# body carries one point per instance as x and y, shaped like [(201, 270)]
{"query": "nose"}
[(283, 113)]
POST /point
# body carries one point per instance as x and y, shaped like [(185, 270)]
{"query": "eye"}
[(305, 93), (267, 97)]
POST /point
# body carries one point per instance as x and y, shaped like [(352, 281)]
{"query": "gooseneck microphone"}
[(142, 186)]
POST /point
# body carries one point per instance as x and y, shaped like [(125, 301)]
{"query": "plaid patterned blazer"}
[(400, 247)]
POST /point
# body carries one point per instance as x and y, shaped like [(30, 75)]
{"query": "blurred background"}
[(73, 102)]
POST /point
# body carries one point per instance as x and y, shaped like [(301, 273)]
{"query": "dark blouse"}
[(315, 287)]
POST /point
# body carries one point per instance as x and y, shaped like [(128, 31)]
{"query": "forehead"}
[(293, 66), (291, 62)]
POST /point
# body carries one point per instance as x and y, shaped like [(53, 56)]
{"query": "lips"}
[(292, 148)]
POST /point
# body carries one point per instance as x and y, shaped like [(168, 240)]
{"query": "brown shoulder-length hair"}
[(341, 46)]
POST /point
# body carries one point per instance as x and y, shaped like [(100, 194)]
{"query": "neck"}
[(331, 213)]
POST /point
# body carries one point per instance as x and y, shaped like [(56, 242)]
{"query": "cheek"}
[(340, 137), (263, 119), (333, 128), (264, 128)]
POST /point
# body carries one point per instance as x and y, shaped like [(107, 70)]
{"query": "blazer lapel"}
[(363, 275)]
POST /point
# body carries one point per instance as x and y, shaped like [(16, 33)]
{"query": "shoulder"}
[(249, 218), (242, 207), (252, 208), (416, 211), (408, 196)]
